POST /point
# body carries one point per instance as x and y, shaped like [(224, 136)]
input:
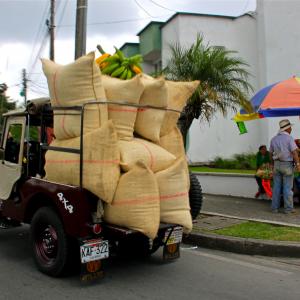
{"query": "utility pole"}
[(51, 29), (51, 26), (24, 82), (80, 34)]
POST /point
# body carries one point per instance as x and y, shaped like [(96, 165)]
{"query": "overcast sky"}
[(24, 39)]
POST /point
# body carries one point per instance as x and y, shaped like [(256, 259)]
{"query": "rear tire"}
[(195, 195), (49, 242)]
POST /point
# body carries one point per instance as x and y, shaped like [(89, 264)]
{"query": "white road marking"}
[(239, 262)]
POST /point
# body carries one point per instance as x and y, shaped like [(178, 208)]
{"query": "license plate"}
[(94, 250), (175, 237)]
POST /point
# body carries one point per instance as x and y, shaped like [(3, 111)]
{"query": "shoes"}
[(257, 195), (293, 211), (275, 211)]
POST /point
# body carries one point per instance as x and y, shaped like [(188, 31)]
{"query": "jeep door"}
[(11, 154)]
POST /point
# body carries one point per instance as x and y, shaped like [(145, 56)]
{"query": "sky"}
[(24, 39)]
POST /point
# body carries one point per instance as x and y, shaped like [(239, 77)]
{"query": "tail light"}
[(97, 228)]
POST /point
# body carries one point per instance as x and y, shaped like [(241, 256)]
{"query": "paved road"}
[(198, 274)]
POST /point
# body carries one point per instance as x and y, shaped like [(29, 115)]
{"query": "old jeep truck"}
[(63, 226)]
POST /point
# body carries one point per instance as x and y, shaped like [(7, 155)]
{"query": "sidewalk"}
[(223, 211)]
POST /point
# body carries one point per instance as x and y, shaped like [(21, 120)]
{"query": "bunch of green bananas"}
[(117, 65)]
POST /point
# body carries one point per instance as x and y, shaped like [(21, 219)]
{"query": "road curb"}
[(244, 246)]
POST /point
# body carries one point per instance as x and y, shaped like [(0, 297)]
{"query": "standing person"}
[(262, 159), (283, 150)]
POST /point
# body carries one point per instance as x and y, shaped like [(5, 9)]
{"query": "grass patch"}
[(263, 231), (219, 170)]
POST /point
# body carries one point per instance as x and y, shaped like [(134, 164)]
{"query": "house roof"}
[(129, 44), (149, 24), (203, 15)]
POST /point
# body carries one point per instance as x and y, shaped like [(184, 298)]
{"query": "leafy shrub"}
[(246, 161)]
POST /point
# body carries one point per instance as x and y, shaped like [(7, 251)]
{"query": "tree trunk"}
[(184, 123)]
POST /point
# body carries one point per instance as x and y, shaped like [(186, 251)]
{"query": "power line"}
[(37, 91), (43, 44), (34, 84), (142, 8), (39, 32), (117, 22), (13, 85), (159, 5), (61, 16)]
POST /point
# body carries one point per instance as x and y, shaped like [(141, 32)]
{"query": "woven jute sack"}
[(101, 162), (123, 92), (174, 195), (73, 85), (153, 156), (149, 121), (136, 202), (178, 94), (173, 142)]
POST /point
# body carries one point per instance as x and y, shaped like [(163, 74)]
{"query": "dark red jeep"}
[(64, 224)]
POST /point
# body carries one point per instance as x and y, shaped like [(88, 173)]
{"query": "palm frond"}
[(223, 77)]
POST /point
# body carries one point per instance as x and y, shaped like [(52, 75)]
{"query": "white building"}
[(268, 41)]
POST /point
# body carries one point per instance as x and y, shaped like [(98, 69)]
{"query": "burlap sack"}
[(123, 91), (101, 159), (152, 155), (178, 94), (173, 142), (149, 121), (174, 195), (72, 85), (136, 202)]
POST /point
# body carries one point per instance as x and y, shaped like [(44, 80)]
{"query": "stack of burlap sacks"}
[(133, 157)]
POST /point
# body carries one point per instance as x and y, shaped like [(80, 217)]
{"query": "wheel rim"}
[(46, 244)]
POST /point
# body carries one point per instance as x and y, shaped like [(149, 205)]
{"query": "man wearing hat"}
[(284, 155)]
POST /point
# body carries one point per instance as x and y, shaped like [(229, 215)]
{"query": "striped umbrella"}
[(280, 99)]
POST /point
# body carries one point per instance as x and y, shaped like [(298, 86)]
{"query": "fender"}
[(73, 205)]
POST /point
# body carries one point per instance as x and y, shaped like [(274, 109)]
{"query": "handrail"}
[(81, 110)]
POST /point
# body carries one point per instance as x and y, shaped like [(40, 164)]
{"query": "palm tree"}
[(223, 80), (5, 105)]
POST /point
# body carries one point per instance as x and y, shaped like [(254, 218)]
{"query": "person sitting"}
[(11, 149), (263, 160), (296, 184)]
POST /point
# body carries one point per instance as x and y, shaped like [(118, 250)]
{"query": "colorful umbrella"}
[(276, 100)]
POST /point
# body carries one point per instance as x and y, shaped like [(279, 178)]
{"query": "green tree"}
[(223, 80), (5, 105)]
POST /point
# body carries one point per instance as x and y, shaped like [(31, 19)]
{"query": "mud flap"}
[(173, 238), (92, 255)]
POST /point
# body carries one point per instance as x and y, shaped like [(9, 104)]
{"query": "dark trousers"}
[(260, 186)]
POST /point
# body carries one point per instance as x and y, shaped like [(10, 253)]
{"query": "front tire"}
[(49, 242)]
